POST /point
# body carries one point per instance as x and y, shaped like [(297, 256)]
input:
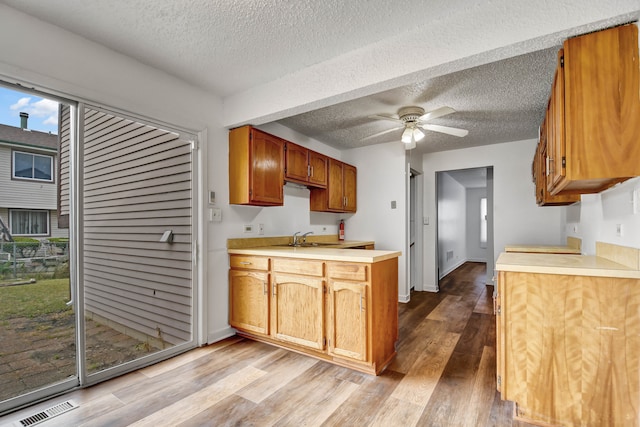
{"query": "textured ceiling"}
[(498, 102), (229, 46), (243, 50)]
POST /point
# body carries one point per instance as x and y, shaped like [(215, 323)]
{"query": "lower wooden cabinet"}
[(249, 294), (347, 322), (342, 312), (568, 348), (297, 303)]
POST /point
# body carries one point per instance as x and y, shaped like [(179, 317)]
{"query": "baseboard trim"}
[(220, 334), (404, 298), (450, 269)]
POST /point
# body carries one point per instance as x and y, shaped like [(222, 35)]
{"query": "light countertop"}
[(577, 265), (328, 253), (549, 249)]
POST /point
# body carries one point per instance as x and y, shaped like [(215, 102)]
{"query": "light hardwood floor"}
[(443, 375)]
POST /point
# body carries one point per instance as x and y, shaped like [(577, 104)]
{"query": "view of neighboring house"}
[(28, 182)]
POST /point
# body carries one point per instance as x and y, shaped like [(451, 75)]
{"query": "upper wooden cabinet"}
[(256, 168), (543, 198), (593, 119), (341, 192), (305, 166)]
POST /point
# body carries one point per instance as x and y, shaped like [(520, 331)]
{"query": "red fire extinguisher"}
[(341, 232)]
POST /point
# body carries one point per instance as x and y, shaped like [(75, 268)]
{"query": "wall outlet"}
[(635, 199), (619, 230), (260, 229), (248, 228)]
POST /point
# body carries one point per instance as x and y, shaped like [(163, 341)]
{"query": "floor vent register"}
[(47, 414)]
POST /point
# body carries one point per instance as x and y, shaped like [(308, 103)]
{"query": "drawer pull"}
[(245, 263)]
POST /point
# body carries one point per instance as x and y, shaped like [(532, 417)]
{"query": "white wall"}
[(381, 180), (596, 216), (517, 218), (452, 224), (474, 251)]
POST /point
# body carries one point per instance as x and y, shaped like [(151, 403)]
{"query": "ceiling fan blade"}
[(434, 114), (381, 133), (386, 117), (445, 129)]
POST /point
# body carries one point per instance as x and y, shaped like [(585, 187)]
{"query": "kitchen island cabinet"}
[(338, 305), (568, 339)]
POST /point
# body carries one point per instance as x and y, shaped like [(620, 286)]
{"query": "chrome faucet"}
[(295, 238), (304, 236)]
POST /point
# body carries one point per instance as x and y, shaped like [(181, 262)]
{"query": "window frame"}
[(48, 215), (51, 158)]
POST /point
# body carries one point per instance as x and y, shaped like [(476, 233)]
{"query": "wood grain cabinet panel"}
[(297, 310), (256, 168), (593, 119), (347, 320), (569, 348)]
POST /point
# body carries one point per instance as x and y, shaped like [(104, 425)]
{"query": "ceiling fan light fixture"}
[(417, 134), (407, 135)]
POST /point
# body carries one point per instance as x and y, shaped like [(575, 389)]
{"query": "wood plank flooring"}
[(443, 375)]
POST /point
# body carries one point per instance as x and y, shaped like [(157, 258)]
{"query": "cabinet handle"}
[(549, 161), (275, 285), (361, 309), (308, 170), (245, 263), (265, 286), (311, 171), (344, 202)]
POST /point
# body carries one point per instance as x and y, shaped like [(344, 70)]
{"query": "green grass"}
[(43, 297)]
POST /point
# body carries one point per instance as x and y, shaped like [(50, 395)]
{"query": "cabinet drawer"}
[(348, 271), (295, 266), (250, 262)]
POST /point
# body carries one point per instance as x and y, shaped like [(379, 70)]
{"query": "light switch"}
[(215, 214)]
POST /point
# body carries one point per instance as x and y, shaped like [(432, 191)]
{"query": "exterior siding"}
[(137, 185), (22, 194), (63, 165)]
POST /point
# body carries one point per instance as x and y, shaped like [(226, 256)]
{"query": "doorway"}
[(464, 218)]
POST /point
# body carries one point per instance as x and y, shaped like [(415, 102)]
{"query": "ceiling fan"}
[(414, 119)]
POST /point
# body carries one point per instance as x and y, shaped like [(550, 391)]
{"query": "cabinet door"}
[(347, 323), (267, 168), (349, 178), (297, 163), (297, 310), (334, 186), (318, 169), (556, 151), (249, 301)]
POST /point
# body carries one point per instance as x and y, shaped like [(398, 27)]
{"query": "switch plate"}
[(248, 228), (393, 204), (425, 220), (619, 230), (212, 197), (635, 199), (215, 214)]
